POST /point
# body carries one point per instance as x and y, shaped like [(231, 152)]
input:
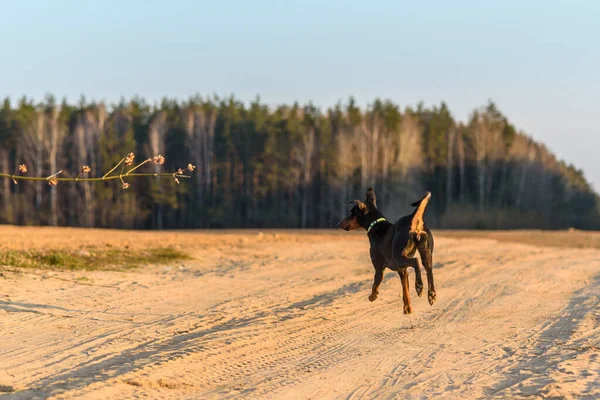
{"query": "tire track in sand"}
[(297, 324)]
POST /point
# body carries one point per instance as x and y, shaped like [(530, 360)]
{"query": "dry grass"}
[(90, 258), (105, 249), (571, 238), (29, 238), (108, 249), (86, 249)]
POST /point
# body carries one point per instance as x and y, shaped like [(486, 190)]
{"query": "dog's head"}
[(358, 212)]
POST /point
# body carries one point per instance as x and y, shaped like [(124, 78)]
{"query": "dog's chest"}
[(384, 247)]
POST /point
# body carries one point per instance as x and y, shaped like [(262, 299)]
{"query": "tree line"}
[(291, 166)]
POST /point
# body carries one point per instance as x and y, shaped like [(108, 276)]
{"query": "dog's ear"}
[(371, 199), (362, 206)]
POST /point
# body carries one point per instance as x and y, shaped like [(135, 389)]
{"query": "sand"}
[(285, 315)]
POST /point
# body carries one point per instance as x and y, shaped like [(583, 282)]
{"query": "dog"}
[(394, 246)]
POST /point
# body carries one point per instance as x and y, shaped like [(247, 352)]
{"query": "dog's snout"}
[(347, 224)]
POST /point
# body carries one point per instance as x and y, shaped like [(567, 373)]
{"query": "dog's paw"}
[(373, 297), (407, 309), (432, 296), (419, 290)]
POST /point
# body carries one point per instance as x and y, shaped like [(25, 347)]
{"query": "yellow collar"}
[(374, 223)]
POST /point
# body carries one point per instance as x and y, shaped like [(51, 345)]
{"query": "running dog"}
[(394, 246)]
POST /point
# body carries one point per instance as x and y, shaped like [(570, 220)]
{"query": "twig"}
[(53, 180), (139, 165), (108, 178), (115, 167)]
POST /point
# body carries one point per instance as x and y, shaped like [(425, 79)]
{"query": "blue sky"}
[(538, 60)]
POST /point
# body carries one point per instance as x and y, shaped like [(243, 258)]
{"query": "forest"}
[(290, 166)]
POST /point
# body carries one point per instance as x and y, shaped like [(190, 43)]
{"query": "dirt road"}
[(286, 315)]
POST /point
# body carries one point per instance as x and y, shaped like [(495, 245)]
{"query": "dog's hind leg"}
[(402, 264), (426, 257), (403, 272), (418, 278)]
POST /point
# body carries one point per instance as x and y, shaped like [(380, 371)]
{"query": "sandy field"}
[(285, 315)]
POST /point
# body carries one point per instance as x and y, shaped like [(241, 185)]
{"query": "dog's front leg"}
[(376, 282)]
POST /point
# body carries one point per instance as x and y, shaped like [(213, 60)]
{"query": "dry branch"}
[(125, 162)]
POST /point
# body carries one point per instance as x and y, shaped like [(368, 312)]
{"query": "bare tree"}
[(371, 137), (387, 152), (406, 159), (460, 144), (409, 146), (360, 136), (80, 155), (487, 137), (479, 139), (88, 128), (526, 159), (200, 130), (33, 127), (6, 195), (156, 144), (52, 142), (305, 156), (156, 136), (345, 165), (450, 165)]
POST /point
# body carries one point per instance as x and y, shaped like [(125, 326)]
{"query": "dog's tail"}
[(425, 198), (417, 226)]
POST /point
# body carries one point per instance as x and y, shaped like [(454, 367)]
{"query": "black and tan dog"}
[(394, 245)]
